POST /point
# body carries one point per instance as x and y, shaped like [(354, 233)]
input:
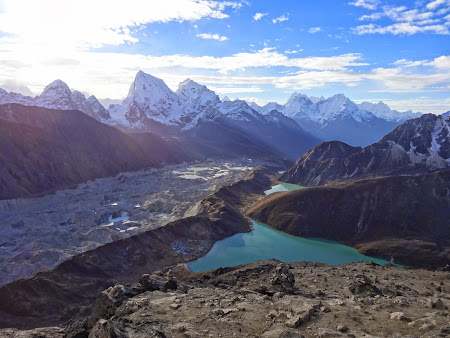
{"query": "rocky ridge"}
[(271, 299), (417, 146)]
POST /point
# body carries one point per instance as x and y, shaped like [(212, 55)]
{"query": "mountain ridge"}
[(417, 146)]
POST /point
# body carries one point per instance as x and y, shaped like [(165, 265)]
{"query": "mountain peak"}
[(144, 83), (57, 95), (57, 85), (190, 90)]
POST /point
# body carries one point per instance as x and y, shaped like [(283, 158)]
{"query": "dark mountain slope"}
[(417, 146), (45, 150), (408, 216)]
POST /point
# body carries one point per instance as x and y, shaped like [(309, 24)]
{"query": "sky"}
[(395, 51)]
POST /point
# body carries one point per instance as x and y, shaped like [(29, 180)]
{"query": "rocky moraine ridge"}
[(268, 299)]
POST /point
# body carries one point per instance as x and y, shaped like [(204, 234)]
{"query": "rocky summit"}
[(268, 299)]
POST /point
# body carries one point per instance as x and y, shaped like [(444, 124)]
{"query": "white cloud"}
[(212, 37), (435, 4), (442, 62), (408, 63), (422, 104), (258, 101), (314, 30), (236, 90), (405, 21), (259, 16), (293, 51), (85, 23), (404, 28), (281, 18), (368, 4), (434, 76), (16, 86)]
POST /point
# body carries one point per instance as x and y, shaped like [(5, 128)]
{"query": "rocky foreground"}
[(269, 299)]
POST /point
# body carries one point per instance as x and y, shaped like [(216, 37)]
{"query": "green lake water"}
[(283, 187), (265, 243)]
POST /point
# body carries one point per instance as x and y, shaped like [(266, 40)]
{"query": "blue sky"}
[(395, 51)]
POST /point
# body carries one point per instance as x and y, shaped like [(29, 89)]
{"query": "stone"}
[(326, 333), (283, 279), (325, 309), (106, 303), (363, 285), (342, 328), (399, 316), (438, 305), (171, 284), (148, 283), (291, 334)]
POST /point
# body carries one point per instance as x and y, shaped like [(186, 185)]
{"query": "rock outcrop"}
[(353, 300)]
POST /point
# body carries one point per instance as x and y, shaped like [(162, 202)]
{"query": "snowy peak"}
[(320, 110), (149, 99), (424, 140), (382, 111), (146, 85), (190, 91), (57, 87), (57, 95), (336, 105), (268, 108), (6, 97), (299, 105), (238, 110)]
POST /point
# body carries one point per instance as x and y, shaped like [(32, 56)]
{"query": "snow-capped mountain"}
[(57, 95), (446, 115), (266, 109), (382, 111), (11, 97), (149, 100), (417, 146), (196, 110), (199, 103), (339, 118)]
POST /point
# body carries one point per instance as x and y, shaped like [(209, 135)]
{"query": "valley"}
[(40, 233)]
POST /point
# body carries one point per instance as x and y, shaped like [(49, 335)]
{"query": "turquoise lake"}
[(283, 187), (266, 243)]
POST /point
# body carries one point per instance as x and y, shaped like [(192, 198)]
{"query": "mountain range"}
[(339, 118), (57, 95), (152, 106)]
